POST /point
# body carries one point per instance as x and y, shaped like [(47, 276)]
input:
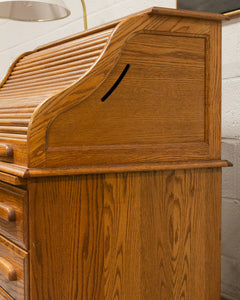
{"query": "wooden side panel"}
[(178, 214), (152, 103), (195, 141), (122, 237), (138, 236), (66, 234), (159, 102), (164, 107)]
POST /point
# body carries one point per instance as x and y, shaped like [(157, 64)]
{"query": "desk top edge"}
[(150, 11), (24, 172)]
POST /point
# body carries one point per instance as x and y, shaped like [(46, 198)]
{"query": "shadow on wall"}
[(231, 221)]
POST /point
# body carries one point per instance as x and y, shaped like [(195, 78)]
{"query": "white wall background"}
[(18, 37), (231, 151)]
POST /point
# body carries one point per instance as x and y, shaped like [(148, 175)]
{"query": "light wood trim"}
[(6, 150), (233, 14), (187, 14), (129, 168), (7, 212), (22, 172), (7, 269), (12, 179), (7, 169)]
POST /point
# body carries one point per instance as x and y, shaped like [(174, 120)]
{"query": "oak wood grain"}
[(14, 225), (115, 136), (12, 179), (155, 61), (144, 136), (6, 150), (7, 212), (78, 203), (16, 260), (4, 295), (50, 80), (69, 62), (21, 173), (142, 167), (149, 235), (7, 270)]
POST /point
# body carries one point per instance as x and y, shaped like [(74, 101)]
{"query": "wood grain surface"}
[(37, 76), (153, 122), (115, 136), (16, 199), (4, 295), (12, 179), (42, 87), (149, 105), (21, 173), (17, 258), (61, 266), (138, 236)]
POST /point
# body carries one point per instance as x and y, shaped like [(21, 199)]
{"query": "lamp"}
[(33, 10)]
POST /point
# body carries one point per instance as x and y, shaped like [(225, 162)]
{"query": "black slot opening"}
[(120, 78)]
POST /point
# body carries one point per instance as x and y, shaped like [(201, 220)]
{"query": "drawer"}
[(4, 295), (14, 214), (13, 270)]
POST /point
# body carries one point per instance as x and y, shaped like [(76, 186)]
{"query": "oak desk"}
[(110, 163)]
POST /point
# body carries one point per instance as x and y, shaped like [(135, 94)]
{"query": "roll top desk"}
[(110, 172)]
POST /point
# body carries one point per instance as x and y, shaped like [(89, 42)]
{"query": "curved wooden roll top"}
[(40, 75), (149, 68)]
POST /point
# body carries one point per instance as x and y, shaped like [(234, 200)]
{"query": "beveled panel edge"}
[(100, 169)]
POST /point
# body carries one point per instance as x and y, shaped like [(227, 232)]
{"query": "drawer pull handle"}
[(7, 269), (6, 150), (7, 212)]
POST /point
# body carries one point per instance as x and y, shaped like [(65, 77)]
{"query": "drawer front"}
[(13, 270), (14, 214), (4, 295)]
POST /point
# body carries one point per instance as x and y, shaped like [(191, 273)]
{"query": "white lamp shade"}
[(33, 10)]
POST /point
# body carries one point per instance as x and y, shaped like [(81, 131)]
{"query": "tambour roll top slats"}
[(40, 75), (124, 87)]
